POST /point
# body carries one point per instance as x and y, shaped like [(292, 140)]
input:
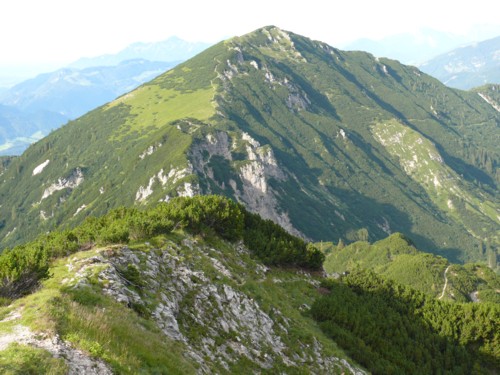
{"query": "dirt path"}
[(78, 361), (445, 282)]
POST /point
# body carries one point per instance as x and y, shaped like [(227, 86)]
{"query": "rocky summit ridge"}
[(209, 305)]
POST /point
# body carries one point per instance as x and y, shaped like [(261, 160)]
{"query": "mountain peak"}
[(328, 144)]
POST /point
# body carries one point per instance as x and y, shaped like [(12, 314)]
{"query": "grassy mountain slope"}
[(396, 258), (36, 106), (200, 285), (298, 131), (184, 300)]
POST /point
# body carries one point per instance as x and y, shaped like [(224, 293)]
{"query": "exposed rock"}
[(474, 296), (77, 361), (167, 180), (188, 190), (149, 150), (80, 209), (145, 192), (70, 182), (218, 323), (250, 179), (490, 101)]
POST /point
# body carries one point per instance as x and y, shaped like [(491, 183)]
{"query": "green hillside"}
[(393, 329), (325, 143), (397, 259), (177, 289), (200, 285)]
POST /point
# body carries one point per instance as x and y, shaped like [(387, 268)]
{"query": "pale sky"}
[(61, 31)]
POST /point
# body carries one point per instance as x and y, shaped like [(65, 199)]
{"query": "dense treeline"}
[(394, 329), (275, 246), (22, 267)]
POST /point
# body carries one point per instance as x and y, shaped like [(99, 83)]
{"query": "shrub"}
[(22, 268)]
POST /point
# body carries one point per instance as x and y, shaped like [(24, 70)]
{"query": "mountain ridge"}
[(287, 126), (396, 258), (171, 49), (180, 289)]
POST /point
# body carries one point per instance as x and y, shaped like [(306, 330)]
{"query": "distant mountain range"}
[(468, 66), (171, 49), (72, 92), (329, 144), (18, 129), (33, 107), (456, 60), (410, 48)]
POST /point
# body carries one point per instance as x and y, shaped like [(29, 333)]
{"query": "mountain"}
[(396, 258), (19, 128), (410, 48), (468, 66), (73, 92), (36, 106), (171, 49), (329, 144), (200, 285)]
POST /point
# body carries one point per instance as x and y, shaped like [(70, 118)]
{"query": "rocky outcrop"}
[(211, 300), (167, 181), (247, 180), (200, 303), (77, 361), (70, 182)]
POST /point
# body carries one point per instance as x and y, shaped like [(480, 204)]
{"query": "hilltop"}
[(329, 144)]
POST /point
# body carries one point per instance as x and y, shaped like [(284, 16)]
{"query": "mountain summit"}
[(329, 144)]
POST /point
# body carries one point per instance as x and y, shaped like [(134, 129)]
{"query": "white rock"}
[(71, 182)]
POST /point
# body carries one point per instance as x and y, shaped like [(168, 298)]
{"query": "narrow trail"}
[(445, 282)]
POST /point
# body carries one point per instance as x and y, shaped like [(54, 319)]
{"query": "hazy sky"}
[(61, 31)]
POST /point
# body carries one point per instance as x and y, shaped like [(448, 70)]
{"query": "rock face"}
[(200, 301), (247, 177), (70, 182)]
